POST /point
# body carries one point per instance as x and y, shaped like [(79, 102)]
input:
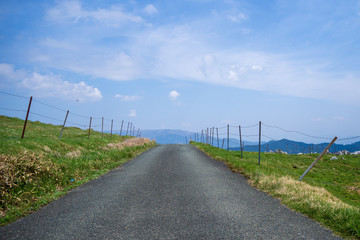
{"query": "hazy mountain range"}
[(168, 136)]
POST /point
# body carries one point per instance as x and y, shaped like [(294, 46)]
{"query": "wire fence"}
[(264, 136), (260, 138), (33, 110)]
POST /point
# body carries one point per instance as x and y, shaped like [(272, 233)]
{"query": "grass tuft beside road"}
[(329, 193), (40, 168)]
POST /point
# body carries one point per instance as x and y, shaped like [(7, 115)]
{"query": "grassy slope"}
[(319, 195), (40, 168)]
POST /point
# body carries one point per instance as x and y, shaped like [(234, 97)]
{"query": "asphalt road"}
[(168, 192)]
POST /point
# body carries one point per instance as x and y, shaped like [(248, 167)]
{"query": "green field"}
[(329, 193), (40, 168)]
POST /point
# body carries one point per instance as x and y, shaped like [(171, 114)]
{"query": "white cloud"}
[(173, 95), (132, 113), (238, 17), (53, 86), (55, 43), (183, 52), (316, 119), (9, 74), (127, 98), (150, 9), (73, 11)]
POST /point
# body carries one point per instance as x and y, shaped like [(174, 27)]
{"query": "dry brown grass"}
[(132, 142), (20, 170), (299, 191)]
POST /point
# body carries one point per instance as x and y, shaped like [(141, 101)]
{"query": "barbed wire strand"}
[(13, 95), (48, 105)]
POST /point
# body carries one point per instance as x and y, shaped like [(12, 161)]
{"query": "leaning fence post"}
[(89, 128), (62, 129), (27, 115), (318, 158), (259, 140)]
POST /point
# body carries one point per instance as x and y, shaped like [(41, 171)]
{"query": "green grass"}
[(329, 193), (40, 168)]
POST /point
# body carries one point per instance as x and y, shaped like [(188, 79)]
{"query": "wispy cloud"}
[(237, 17), (127, 98), (132, 113), (182, 51), (73, 11), (150, 9)]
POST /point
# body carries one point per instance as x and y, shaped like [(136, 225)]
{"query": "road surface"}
[(168, 192)]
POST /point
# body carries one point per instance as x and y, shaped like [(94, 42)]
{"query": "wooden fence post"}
[(62, 129), (27, 115), (217, 136)]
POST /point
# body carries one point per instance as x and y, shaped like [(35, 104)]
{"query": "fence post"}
[(318, 158), (222, 147), (122, 123), (62, 129), (207, 136), (259, 140), (89, 128), (228, 136), (102, 126), (127, 129), (212, 140), (241, 148), (27, 115), (112, 121), (217, 136)]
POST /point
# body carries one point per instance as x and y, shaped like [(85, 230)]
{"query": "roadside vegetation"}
[(329, 193), (40, 168)]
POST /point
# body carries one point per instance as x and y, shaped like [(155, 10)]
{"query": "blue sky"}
[(187, 64)]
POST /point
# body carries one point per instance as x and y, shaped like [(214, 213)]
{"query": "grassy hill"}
[(329, 193), (40, 168)]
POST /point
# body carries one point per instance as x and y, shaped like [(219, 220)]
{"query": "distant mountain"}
[(168, 136), (293, 147)]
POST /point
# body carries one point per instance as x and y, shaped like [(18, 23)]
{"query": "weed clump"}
[(21, 175)]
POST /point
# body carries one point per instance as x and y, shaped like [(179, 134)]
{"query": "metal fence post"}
[(89, 128), (67, 113), (259, 140), (228, 136)]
